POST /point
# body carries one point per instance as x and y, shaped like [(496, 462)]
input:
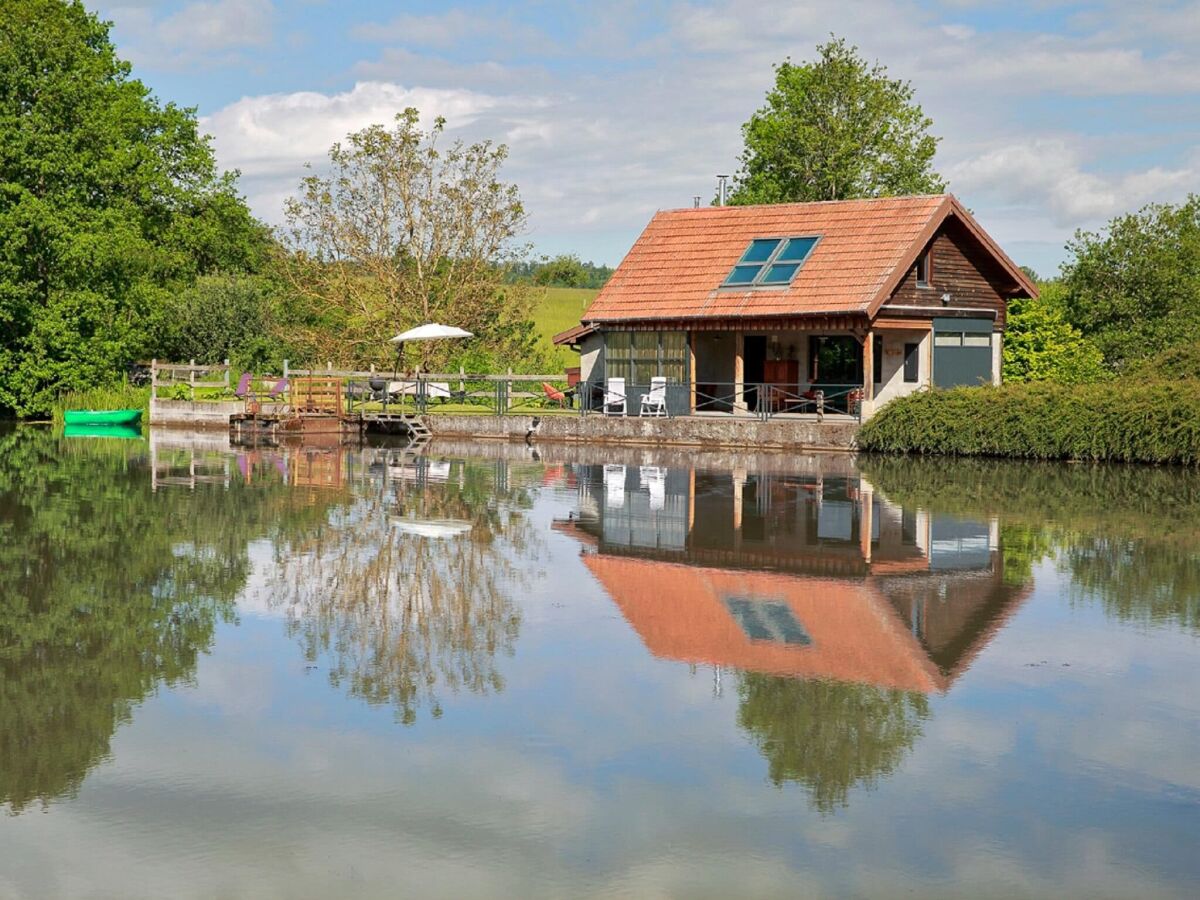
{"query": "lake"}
[(492, 670)]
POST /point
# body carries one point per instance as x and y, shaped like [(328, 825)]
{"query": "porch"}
[(844, 369)]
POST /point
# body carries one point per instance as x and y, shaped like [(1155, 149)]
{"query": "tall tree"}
[(1134, 289), (404, 232), (836, 128), (108, 201), (1041, 345)]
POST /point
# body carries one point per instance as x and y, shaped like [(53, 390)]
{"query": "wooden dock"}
[(317, 412)]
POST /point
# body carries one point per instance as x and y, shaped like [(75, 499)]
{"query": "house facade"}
[(790, 308)]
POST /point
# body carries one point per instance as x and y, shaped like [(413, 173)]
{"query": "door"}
[(962, 352), (754, 356)]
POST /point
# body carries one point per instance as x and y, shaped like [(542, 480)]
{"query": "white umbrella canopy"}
[(430, 332)]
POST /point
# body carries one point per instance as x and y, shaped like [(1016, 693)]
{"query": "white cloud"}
[(199, 33), (450, 29), (1049, 174)]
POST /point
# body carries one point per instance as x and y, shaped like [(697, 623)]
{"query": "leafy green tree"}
[(829, 735), (1134, 289), (562, 271), (1041, 345), (836, 128), (109, 201), (224, 317)]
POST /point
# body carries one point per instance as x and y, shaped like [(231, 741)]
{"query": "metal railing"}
[(749, 400)]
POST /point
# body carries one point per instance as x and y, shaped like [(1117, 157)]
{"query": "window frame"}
[(924, 261), (759, 282)]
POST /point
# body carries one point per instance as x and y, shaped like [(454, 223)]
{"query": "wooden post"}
[(691, 371), (192, 379), (869, 366), (462, 382), (153, 381), (285, 368), (739, 371)]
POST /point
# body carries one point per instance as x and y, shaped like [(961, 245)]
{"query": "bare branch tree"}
[(400, 233)]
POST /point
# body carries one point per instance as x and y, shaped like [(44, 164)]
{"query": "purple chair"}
[(243, 391), (279, 389)]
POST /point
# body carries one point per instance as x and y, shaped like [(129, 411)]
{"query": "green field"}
[(557, 310)]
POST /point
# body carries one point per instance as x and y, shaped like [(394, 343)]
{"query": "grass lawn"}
[(557, 310)]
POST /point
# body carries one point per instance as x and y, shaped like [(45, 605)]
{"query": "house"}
[(772, 309)]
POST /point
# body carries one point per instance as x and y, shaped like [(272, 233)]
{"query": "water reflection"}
[(107, 592), (1126, 535), (837, 609), (409, 593)]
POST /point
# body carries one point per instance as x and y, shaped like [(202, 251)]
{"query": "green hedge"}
[(1128, 421)]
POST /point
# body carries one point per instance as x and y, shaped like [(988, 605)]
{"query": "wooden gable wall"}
[(963, 268)]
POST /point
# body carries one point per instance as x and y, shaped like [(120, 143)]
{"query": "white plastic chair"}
[(654, 402), (614, 486), (614, 397), (654, 479)]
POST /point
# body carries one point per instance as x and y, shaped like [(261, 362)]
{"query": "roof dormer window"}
[(770, 262)]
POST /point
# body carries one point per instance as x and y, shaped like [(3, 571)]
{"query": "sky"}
[(1053, 115)]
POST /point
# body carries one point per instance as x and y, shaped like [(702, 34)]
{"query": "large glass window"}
[(638, 356), (770, 262)]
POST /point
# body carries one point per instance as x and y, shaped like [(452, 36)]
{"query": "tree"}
[(401, 233), (1041, 345), (224, 317), (109, 201), (836, 129), (562, 271), (1135, 288)]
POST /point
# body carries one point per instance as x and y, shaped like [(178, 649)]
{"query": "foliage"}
[(1127, 421), (836, 128), (1135, 289), (1180, 361), (109, 201), (224, 317), (1040, 345), (829, 735), (401, 233), (564, 271)]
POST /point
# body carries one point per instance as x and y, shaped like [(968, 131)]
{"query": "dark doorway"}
[(754, 356)]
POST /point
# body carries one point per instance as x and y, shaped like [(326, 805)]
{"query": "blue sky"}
[(1053, 115)]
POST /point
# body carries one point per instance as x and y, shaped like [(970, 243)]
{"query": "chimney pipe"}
[(696, 202), (722, 189)]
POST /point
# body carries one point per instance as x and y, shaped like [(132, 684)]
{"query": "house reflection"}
[(811, 575)]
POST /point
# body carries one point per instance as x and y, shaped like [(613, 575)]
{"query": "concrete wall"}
[(682, 432), (201, 414), (892, 384)]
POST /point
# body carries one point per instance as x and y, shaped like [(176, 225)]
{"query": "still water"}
[(499, 671)]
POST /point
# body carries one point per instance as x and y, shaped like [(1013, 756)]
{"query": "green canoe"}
[(102, 417)]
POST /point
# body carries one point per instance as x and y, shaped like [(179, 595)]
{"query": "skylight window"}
[(770, 262)]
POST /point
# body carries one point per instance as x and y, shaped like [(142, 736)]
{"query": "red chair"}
[(562, 398)]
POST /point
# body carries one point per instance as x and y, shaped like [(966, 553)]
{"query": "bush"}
[(1128, 421)]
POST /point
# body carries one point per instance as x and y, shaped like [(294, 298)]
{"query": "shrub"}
[(1129, 421)]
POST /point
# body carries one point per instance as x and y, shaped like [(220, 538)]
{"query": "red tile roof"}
[(676, 268)]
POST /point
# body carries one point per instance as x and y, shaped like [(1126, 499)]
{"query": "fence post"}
[(192, 379), (153, 380), (227, 375), (462, 383), (285, 368)]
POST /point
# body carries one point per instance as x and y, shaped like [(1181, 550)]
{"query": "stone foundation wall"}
[(778, 434), (200, 414)]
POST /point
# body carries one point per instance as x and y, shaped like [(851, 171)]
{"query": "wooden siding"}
[(961, 267)]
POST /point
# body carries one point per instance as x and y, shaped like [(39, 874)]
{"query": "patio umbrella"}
[(430, 331)]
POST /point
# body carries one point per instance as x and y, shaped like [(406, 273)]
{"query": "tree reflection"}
[(400, 617), (829, 736), (106, 592), (1128, 536)]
